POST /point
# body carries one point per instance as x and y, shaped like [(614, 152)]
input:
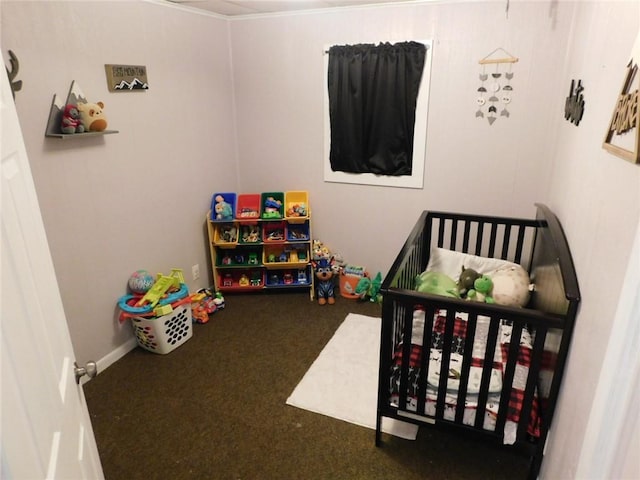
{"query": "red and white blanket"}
[(515, 392)]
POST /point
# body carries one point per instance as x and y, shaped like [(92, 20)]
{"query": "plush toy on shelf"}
[(71, 122), (223, 209), (93, 117), (324, 281)]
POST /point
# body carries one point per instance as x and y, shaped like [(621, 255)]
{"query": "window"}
[(379, 126)]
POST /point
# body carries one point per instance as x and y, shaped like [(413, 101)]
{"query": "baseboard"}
[(112, 357)]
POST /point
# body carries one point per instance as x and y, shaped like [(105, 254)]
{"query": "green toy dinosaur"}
[(482, 290), (370, 288)]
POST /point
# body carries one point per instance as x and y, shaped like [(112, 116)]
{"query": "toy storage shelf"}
[(253, 253)]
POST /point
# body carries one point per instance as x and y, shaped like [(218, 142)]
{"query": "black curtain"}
[(372, 106)]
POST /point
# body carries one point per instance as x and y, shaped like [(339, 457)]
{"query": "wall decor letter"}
[(574, 104)]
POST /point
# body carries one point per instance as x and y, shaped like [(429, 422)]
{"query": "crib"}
[(482, 369)]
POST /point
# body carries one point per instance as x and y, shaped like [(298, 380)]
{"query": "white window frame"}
[(416, 179)]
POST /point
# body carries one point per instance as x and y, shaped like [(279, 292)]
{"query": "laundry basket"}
[(166, 333)]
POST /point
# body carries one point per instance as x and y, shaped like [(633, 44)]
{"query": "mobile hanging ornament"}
[(494, 93)]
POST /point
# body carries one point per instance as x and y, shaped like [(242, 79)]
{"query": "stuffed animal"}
[(511, 286), (481, 291), (467, 277), (223, 209), (324, 281), (93, 117), (437, 283), (71, 122), (370, 288)]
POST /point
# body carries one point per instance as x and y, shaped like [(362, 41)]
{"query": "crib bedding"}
[(499, 364)]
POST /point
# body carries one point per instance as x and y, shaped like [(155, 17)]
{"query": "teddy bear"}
[(93, 117), (71, 122), (324, 281)]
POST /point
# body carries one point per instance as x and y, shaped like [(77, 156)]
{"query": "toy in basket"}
[(161, 316)]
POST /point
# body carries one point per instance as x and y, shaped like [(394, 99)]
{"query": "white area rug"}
[(343, 381)]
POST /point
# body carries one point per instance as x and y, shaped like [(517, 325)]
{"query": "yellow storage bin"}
[(296, 206), (226, 234), (285, 256)]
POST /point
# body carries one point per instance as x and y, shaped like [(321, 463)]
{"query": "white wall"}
[(470, 166), (137, 199), (597, 197)]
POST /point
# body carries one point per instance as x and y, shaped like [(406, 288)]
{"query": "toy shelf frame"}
[(226, 276)]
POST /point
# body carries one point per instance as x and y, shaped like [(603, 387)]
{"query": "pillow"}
[(511, 286), (451, 262)]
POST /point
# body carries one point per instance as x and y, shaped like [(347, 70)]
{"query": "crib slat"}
[(466, 366), (479, 238), (427, 338), (444, 366), (406, 358), (492, 240), (519, 244), (441, 223), (505, 241), (487, 366), (465, 236), (454, 234), (507, 380), (532, 381)]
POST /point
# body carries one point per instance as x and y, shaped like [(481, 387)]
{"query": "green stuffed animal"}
[(481, 291), (370, 288), (437, 283)]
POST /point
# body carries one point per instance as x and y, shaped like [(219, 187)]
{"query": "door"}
[(46, 431)]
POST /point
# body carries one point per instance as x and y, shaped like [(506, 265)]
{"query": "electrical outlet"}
[(195, 271)]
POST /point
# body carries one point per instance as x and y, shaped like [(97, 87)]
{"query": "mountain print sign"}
[(126, 78)]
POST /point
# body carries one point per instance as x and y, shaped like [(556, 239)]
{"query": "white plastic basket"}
[(166, 333)]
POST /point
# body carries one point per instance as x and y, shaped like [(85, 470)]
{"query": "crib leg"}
[(378, 430), (534, 467)]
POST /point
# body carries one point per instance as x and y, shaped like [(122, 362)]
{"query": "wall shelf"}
[(66, 136), (74, 97)]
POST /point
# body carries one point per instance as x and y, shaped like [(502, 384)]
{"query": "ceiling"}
[(252, 7)]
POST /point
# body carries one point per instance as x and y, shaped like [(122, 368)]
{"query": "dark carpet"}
[(214, 408)]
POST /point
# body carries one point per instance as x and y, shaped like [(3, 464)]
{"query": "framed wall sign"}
[(126, 78), (624, 123)]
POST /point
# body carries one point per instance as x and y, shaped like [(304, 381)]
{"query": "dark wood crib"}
[(530, 371)]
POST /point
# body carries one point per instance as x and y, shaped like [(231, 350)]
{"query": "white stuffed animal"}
[(511, 286)]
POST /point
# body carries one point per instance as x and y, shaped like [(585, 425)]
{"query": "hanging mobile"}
[(482, 90), (499, 93), (506, 92)]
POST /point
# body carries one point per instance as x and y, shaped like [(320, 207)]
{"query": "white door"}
[(45, 425)]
